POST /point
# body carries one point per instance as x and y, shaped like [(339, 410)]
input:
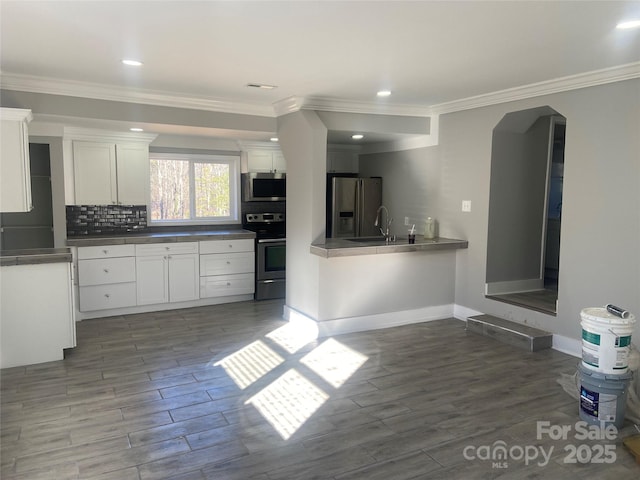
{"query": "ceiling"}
[(427, 53)]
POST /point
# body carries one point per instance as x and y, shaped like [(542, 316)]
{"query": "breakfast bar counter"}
[(347, 247)]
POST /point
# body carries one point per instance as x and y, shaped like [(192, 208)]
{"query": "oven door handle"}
[(272, 240)]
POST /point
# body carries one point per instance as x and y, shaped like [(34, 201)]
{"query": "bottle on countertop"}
[(430, 228)]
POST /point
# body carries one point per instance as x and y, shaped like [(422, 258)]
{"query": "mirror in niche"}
[(525, 209)]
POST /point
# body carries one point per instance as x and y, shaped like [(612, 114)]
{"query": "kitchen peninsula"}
[(36, 306), (345, 247), (364, 283)]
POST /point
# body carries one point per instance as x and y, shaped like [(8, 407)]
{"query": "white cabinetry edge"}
[(125, 250)]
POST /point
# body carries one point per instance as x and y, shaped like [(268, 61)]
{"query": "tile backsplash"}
[(105, 219)]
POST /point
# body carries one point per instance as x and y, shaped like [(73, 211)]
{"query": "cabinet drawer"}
[(226, 246), (166, 248), (102, 271), (106, 251), (221, 264), (226, 285), (101, 297)]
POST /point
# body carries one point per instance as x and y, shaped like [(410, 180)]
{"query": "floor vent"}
[(505, 331)]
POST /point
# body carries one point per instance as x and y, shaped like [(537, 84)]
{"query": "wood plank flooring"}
[(153, 396)]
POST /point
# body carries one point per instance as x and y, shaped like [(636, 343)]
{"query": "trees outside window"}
[(194, 188)]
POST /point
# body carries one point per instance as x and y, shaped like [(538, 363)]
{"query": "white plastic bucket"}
[(606, 340), (603, 397)]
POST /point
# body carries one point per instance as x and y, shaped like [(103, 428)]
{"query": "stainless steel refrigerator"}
[(354, 203)]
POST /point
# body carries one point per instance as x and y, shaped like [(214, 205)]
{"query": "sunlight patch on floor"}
[(250, 363), (293, 336), (288, 402), (334, 361)]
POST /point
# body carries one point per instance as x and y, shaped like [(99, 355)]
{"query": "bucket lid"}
[(600, 314), (604, 376)]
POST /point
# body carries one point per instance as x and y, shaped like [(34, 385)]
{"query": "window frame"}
[(233, 161)]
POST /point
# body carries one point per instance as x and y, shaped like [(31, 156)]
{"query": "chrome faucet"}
[(385, 232)]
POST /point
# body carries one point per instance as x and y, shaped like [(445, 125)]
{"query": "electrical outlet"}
[(406, 220), (466, 205)]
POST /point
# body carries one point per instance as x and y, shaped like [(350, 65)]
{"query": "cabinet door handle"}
[(228, 284), (106, 252), (107, 295), (228, 262), (230, 245), (106, 270), (167, 248)]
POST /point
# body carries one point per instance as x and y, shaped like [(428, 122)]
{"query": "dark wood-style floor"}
[(153, 396)]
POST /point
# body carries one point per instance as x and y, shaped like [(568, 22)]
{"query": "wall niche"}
[(525, 209)]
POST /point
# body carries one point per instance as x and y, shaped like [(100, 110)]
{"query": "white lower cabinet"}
[(106, 277), (167, 272), (226, 268), (36, 313), (151, 276), (226, 285), (104, 297)]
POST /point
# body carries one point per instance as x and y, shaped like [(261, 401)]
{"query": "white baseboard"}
[(567, 345), (378, 321), (462, 313), (203, 302), (338, 326)]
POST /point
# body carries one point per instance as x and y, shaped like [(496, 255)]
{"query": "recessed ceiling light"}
[(357, 136), (629, 24), (384, 93), (132, 63), (262, 86), (136, 129), (274, 139)]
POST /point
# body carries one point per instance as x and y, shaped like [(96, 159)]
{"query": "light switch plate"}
[(406, 220), (466, 205)]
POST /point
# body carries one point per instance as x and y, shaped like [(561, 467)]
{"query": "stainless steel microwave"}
[(264, 187)]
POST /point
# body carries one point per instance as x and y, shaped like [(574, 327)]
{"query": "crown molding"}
[(573, 82), (327, 104), (90, 134), (33, 84), (255, 145), (16, 114), (29, 83)]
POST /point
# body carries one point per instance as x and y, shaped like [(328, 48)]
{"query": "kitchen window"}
[(194, 189)]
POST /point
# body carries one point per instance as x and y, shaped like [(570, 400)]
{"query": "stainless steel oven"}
[(270, 253), (270, 268), (264, 187)]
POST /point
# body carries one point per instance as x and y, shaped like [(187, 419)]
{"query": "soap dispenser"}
[(430, 229)]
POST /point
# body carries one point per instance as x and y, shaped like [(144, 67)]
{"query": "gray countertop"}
[(342, 247), (34, 256), (160, 237)]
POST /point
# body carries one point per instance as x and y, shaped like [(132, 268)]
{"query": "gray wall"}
[(600, 249), (411, 184), (303, 139)]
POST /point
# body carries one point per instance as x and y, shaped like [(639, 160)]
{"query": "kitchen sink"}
[(366, 239)]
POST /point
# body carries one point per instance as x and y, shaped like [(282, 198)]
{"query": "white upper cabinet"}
[(106, 168), (107, 173), (342, 161), (15, 173), (266, 161), (132, 167), (94, 169)]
